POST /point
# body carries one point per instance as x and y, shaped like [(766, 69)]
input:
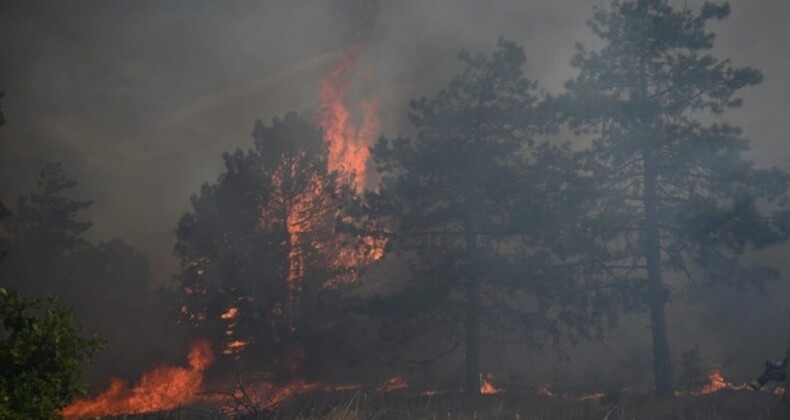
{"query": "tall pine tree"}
[(680, 195), (477, 209)]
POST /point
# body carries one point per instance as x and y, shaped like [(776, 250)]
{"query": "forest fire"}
[(164, 388), (303, 209), (357, 222), (306, 207)]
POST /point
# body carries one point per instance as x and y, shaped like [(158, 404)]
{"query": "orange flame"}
[(231, 313), (717, 382), (348, 144), (234, 347), (485, 385), (164, 388)]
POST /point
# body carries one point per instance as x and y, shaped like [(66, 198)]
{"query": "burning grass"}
[(163, 388), (177, 389)]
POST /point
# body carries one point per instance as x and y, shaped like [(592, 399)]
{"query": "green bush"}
[(42, 356)]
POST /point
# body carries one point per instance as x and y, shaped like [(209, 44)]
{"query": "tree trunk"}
[(786, 396), (472, 381), (472, 321), (656, 294), (662, 370)]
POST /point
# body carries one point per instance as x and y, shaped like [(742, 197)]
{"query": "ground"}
[(722, 405)]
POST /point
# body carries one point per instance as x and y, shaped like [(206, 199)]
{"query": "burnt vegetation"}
[(510, 218)]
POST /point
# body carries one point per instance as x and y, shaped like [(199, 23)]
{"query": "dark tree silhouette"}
[(678, 193), (43, 235), (483, 217), (107, 284)]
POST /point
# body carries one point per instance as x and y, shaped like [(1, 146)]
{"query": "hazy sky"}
[(139, 98)]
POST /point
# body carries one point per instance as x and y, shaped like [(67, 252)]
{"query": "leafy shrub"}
[(42, 355)]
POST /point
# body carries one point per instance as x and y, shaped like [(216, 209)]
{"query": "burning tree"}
[(263, 265), (679, 195), (482, 216)]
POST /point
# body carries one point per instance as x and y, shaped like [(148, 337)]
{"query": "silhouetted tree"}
[(678, 193), (482, 216), (43, 234), (42, 355), (107, 284)]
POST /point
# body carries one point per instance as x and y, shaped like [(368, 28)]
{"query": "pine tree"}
[(48, 252), (479, 212), (678, 191)]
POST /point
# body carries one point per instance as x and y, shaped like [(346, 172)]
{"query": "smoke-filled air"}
[(395, 209)]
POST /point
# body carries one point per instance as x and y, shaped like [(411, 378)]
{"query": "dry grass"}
[(723, 405)]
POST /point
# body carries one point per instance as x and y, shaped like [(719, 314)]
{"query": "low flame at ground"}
[(485, 385), (716, 382), (164, 388), (169, 387)]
